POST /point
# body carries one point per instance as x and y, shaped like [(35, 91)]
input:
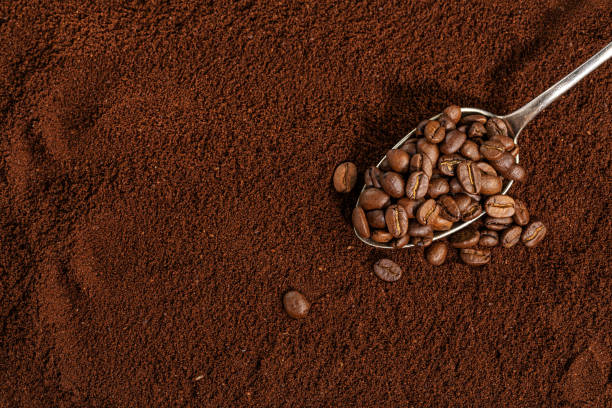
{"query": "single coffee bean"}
[(436, 253), (416, 229), (468, 175), (421, 162), (399, 160), (409, 147), (441, 224), (521, 214), (397, 220), (500, 206), (474, 118), (490, 185), (376, 219), (434, 133), (421, 127), (452, 142), (475, 257), (345, 177), (476, 130), (437, 187), (449, 209), (463, 201), (465, 238), (470, 150), (453, 112), (393, 183), (447, 164), (360, 222), (296, 305), (486, 168), (429, 149), (488, 238), (401, 242), (511, 236), (504, 163), (517, 173), (533, 234), (417, 185), (387, 270), (506, 141), (472, 211), (455, 186), (446, 122), (372, 177), (373, 199), (410, 206), (514, 152), (422, 241), (497, 224), (496, 127), (381, 236), (427, 212), (492, 149)]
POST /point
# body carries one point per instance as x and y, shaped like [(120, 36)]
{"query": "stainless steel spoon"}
[(517, 121)]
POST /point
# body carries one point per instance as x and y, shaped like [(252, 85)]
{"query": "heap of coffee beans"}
[(452, 172)]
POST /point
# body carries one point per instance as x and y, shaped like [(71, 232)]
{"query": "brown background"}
[(165, 178)]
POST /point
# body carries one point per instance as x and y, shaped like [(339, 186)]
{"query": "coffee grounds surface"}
[(165, 178)]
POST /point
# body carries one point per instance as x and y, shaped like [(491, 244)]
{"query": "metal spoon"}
[(517, 121)]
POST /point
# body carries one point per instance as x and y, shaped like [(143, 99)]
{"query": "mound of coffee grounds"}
[(165, 180)]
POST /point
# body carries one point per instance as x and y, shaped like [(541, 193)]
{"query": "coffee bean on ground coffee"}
[(296, 304), (345, 177), (387, 270)]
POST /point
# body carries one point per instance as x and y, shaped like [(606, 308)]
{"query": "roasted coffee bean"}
[(521, 214), (372, 177), (441, 224), (437, 187), (416, 229), (422, 241), (429, 149), (490, 185), (506, 141), (345, 177), (401, 241), (410, 206), (393, 183), (453, 112), (511, 236), (373, 199), (496, 127), (455, 186), (376, 219), (486, 168), (497, 224), (421, 127), (492, 149), (449, 209), (468, 175), (533, 234), (387, 270), (399, 160), (447, 164), (434, 133), (452, 142), (381, 236), (488, 238), (436, 253), (360, 222), (417, 185), (517, 173), (296, 305), (504, 163), (476, 130), (465, 238), (384, 165), (475, 257), (397, 220), (470, 150), (500, 206), (409, 147), (463, 201), (475, 118), (473, 210), (446, 122), (514, 152), (421, 162), (427, 212)]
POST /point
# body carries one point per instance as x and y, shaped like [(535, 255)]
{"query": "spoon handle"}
[(522, 116)]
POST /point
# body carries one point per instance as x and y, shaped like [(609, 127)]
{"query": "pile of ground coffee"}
[(165, 180)]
